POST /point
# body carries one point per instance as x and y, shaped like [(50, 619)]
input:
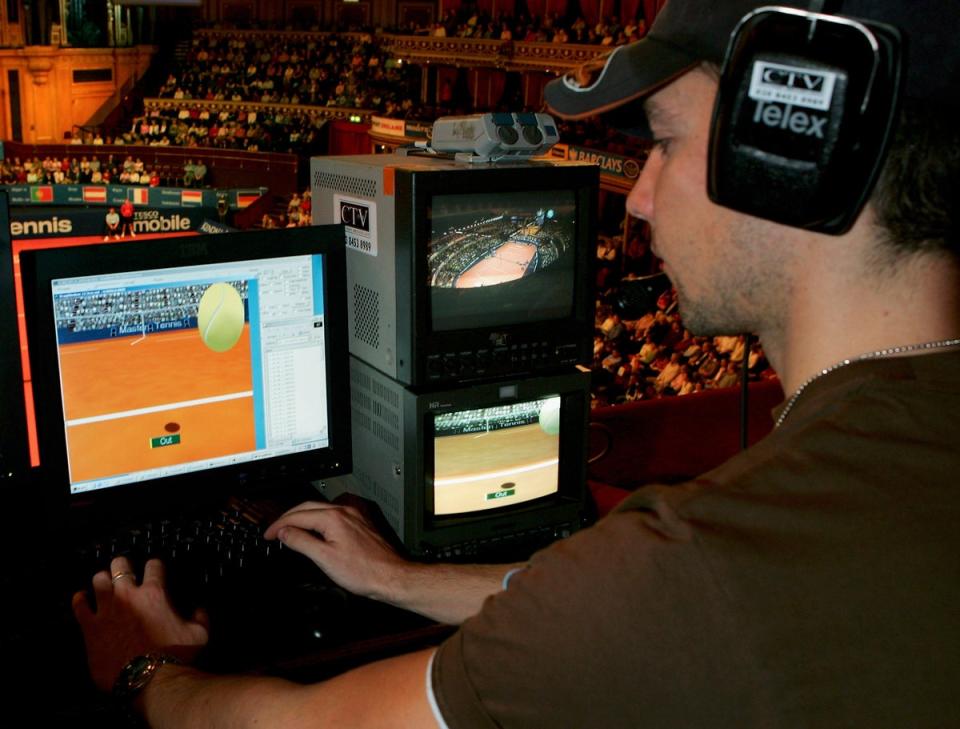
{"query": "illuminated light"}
[(356, 118)]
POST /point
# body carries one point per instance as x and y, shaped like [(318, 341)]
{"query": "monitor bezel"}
[(415, 192), (40, 267)]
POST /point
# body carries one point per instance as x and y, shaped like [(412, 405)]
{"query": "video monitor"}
[(460, 272), (225, 356), (498, 456), (476, 471)]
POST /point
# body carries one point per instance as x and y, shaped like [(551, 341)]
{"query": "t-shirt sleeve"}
[(620, 625)]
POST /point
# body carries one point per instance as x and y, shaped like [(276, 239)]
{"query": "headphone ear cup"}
[(804, 112)]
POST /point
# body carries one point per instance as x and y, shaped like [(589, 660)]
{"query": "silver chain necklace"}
[(869, 355)]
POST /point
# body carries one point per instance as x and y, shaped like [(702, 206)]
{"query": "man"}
[(126, 219), (111, 224), (811, 581)]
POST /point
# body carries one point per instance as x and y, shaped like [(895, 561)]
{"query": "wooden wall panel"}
[(52, 102)]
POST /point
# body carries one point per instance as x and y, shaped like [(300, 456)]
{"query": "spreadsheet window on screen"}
[(175, 370)]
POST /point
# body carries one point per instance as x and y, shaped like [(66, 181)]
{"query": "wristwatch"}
[(137, 674)]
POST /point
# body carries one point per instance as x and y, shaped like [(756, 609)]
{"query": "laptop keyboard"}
[(264, 600), (200, 553)]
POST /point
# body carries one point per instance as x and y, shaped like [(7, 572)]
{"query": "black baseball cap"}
[(689, 32)]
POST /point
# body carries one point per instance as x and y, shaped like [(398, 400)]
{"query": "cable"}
[(744, 390)]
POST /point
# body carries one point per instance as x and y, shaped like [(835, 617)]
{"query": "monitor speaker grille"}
[(366, 315), (345, 183)]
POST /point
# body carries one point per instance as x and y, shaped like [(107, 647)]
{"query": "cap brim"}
[(631, 72)]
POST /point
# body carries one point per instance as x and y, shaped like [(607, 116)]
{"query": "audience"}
[(276, 88), (469, 21), (111, 170), (653, 355)]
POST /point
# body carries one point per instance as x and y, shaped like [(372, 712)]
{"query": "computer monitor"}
[(31, 235), (460, 272), (189, 365), (482, 471)]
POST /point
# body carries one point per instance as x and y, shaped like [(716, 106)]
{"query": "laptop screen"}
[(223, 360)]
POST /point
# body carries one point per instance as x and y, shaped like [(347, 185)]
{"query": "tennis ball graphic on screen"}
[(220, 317), (550, 416)]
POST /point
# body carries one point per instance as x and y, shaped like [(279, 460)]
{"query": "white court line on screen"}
[(160, 408), (496, 474)]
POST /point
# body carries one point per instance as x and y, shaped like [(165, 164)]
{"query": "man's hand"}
[(130, 620), (345, 545)]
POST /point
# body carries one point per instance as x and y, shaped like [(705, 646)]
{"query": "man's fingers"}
[(202, 618), (102, 590), (303, 541), (154, 572), (308, 506), (81, 607), (122, 575), (311, 520)]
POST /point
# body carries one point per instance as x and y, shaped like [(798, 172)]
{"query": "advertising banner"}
[(66, 222), (114, 195)]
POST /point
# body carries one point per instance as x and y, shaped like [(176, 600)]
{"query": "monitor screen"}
[(501, 258), (162, 362), (493, 457), (195, 367)]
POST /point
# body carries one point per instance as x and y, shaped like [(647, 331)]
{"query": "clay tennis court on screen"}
[(122, 394), (470, 466), (508, 263)]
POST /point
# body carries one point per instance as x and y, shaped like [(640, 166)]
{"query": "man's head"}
[(672, 73), (689, 34)]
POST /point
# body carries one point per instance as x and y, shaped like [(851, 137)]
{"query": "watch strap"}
[(138, 672)]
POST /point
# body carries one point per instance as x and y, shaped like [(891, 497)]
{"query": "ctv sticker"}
[(792, 85), (360, 219)]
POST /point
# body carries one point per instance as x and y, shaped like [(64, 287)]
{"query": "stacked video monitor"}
[(470, 308)]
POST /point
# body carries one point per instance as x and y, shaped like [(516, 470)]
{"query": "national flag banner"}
[(139, 196), (41, 193), (245, 199), (191, 197), (95, 194)]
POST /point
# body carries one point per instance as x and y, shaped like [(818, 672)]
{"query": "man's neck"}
[(835, 315)]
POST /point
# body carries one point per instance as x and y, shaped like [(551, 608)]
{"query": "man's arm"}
[(346, 546), (132, 617), (387, 693)]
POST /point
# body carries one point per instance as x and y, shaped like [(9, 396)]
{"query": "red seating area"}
[(672, 439)]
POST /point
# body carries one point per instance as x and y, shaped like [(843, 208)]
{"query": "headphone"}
[(804, 113)]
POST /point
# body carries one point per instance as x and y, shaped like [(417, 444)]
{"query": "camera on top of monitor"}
[(493, 136)]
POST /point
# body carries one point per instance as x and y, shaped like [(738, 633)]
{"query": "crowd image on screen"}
[(487, 419), (144, 310)]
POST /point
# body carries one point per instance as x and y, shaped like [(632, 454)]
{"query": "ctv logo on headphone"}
[(779, 89)]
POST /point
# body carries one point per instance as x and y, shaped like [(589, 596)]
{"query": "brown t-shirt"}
[(811, 581)]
